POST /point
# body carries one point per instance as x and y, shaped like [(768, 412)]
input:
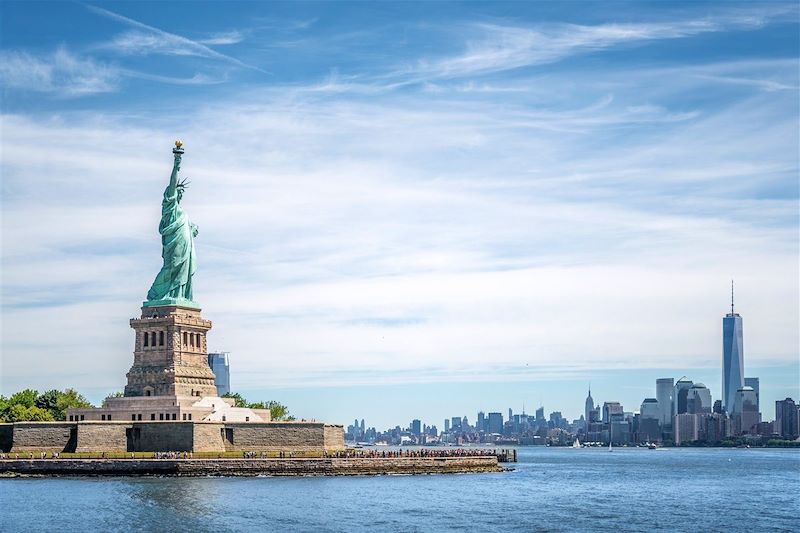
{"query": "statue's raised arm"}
[(173, 284)]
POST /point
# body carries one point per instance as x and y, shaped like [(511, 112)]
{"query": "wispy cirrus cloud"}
[(148, 39), (223, 38), (496, 47), (61, 72)]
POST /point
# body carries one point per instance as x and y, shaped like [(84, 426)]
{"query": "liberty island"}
[(171, 408)]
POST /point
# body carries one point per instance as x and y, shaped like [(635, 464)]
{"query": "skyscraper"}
[(664, 387), (754, 383), (589, 406), (680, 397), (495, 422), (220, 365), (786, 418), (732, 357)]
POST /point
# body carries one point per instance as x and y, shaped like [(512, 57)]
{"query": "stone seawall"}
[(249, 467)]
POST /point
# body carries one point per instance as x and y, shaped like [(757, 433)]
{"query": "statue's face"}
[(180, 194)]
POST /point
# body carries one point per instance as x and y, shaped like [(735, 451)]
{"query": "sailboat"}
[(610, 436), (576, 444)]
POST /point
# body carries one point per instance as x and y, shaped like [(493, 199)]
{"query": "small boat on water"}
[(651, 446), (576, 444)]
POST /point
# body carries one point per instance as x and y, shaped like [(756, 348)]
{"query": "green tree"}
[(69, 399), (277, 410), (26, 398), (240, 401), (117, 394), (48, 400), (20, 413)]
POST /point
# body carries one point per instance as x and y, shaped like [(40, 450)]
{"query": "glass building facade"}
[(732, 360), (221, 367)]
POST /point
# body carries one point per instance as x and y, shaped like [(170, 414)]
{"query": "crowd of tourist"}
[(425, 452), (342, 454)]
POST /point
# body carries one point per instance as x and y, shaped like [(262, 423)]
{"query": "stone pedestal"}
[(170, 357)]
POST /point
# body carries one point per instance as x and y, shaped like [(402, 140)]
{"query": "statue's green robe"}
[(177, 249)]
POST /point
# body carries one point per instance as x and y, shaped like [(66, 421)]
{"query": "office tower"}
[(732, 357), (455, 423), (363, 426), (220, 366), (612, 410), (698, 399), (786, 419), (754, 382), (718, 406), (650, 421), (746, 413), (685, 427), (464, 424), (416, 427), (680, 396), (495, 423), (664, 390), (510, 414), (481, 421), (540, 414), (588, 406), (446, 425)]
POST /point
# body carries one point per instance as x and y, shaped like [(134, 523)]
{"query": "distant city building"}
[(685, 428), (588, 405), (698, 399), (220, 366), (664, 391), (416, 427), (786, 419), (481, 423), (718, 406), (746, 413), (755, 384), (540, 414), (680, 397), (464, 424), (649, 421), (610, 409), (446, 425), (455, 423), (732, 357), (495, 423)]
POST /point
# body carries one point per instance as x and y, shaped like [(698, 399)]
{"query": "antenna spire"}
[(731, 296)]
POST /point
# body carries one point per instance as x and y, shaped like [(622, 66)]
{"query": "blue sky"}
[(408, 209)]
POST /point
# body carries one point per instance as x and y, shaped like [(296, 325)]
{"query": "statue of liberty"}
[(173, 284)]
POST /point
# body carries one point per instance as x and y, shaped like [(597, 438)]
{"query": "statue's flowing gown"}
[(177, 249)]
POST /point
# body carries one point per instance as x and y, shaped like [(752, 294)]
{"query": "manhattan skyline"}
[(404, 207)]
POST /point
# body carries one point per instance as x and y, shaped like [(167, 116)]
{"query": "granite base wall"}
[(176, 436), (104, 436), (44, 436)]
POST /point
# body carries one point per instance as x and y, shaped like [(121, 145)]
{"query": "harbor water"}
[(550, 489)]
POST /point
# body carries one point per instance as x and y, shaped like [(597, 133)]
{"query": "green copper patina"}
[(173, 284)]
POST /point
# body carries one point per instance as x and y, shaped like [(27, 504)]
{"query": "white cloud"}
[(223, 38), (404, 238), (151, 40), (62, 73), (499, 47)]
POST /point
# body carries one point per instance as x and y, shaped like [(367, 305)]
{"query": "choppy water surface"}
[(554, 489)]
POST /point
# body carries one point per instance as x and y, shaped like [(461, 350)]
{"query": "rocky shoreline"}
[(250, 467)]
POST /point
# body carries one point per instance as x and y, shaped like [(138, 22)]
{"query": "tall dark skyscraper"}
[(588, 406), (732, 357), (221, 367)]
